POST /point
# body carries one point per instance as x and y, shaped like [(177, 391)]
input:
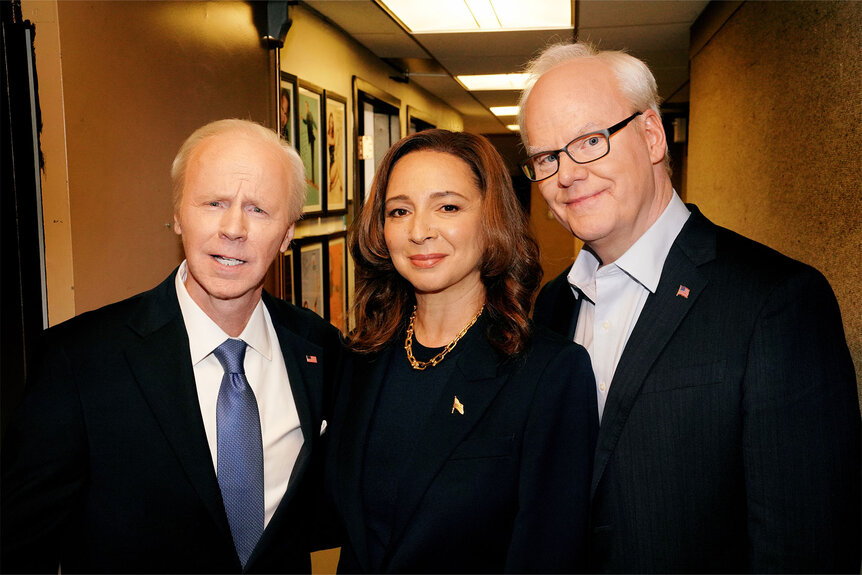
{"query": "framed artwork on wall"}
[(417, 121), (287, 108), (310, 144), (337, 265), (335, 111), (309, 253), (286, 274), (377, 124)]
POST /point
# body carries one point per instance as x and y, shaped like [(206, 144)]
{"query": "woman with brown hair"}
[(465, 434)]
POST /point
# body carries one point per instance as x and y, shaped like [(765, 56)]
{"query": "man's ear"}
[(177, 228), (288, 237), (653, 132)]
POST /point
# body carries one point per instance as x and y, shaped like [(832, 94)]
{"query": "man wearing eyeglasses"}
[(730, 428)]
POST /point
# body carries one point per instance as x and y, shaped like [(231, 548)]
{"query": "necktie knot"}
[(231, 355)]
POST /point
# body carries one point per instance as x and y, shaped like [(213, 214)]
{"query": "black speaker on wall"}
[(272, 19)]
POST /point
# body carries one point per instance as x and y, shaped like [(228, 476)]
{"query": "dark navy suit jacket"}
[(107, 468), (501, 488), (730, 438)]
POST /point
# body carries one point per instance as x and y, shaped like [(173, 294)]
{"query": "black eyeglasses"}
[(582, 150)]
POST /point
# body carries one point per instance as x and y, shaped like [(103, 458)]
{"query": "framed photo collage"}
[(314, 273), (315, 122)]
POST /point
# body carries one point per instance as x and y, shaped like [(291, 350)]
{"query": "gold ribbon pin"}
[(458, 406)]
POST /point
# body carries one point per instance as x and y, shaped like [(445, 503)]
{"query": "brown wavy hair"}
[(509, 269)]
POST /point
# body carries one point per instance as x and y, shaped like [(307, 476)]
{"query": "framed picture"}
[(286, 274), (335, 111), (287, 108), (337, 296), (310, 144), (309, 254), (417, 121), (377, 125)]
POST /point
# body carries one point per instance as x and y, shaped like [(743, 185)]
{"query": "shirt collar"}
[(643, 261), (205, 335)]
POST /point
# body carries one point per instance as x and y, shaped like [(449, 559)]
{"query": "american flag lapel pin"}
[(311, 358), (457, 406), (683, 291)]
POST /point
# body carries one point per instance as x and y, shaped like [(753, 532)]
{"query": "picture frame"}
[(337, 296), (417, 121), (287, 107), (335, 113), (376, 126), (311, 144), (286, 277), (310, 283)]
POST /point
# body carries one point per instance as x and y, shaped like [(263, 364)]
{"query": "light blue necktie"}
[(240, 450)]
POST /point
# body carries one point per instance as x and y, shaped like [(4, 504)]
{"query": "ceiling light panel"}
[(484, 14), (533, 15), (428, 17), (481, 82), (504, 110)]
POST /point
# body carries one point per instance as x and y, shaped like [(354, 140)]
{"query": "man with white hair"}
[(179, 431), (729, 437)]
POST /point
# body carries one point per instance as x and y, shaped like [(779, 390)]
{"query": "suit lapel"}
[(475, 383), (564, 308), (162, 366), (661, 316), (304, 363)]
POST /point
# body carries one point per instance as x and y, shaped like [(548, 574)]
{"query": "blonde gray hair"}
[(634, 78), (296, 182)]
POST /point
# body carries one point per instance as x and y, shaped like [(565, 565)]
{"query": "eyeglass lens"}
[(582, 150)]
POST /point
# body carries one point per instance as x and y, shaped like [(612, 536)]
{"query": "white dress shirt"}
[(615, 294), (267, 376)]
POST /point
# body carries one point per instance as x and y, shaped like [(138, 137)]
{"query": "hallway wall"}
[(121, 85), (776, 132), (126, 83)]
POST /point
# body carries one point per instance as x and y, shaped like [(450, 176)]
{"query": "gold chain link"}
[(408, 343)]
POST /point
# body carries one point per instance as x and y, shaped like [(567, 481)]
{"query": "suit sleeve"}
[(44, 470), (551, 525), (801, 446)]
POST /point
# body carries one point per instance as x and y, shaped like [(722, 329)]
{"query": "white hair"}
[(634, 78), (295, 169)]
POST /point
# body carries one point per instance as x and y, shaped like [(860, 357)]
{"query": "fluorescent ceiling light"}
[(504, 110), (493, 81), (514, 127), (435, 16)]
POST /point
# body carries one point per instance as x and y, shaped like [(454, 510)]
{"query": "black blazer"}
[(107, 468), (503, 487), (730, 437)]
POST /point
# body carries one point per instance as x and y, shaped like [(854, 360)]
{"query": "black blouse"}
[(406, 400)]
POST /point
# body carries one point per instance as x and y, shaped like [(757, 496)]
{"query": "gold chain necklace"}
[(408, 343)]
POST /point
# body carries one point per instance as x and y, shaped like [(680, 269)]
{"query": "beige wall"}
[(122, 84), (134, 79), (775, 136), (55, 197), (559, 247)]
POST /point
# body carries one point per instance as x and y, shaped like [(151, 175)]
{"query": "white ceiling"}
[(657, 31)]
